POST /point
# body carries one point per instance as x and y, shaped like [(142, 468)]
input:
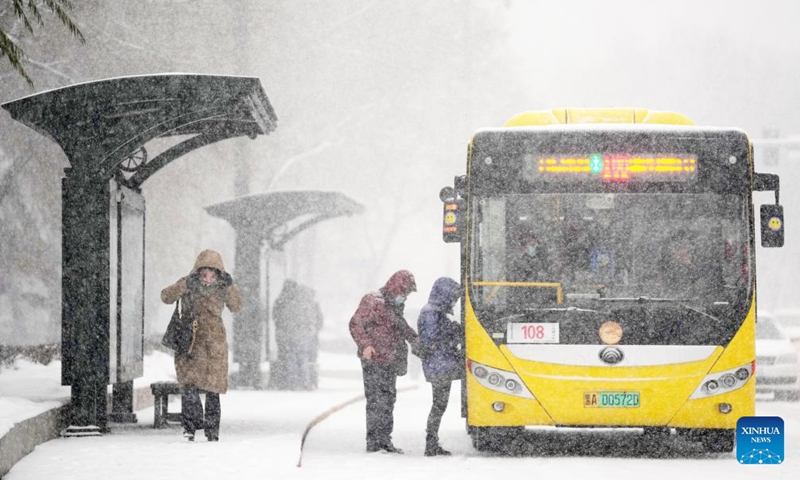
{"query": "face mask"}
[(531, 250), (399, 300)]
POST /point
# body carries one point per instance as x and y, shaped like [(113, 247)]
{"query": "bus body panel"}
[(704, 412), (517, 411), (559, 389), (662, 390), (596, 115), (481, 347), (742, 348)]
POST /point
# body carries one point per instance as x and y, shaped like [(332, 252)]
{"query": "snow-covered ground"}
[(261, 432), (28, 389)]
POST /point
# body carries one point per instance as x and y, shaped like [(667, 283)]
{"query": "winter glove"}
[(193, 282), (224, 280), (420, 350)]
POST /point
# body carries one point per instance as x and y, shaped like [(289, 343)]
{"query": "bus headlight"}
[(742, 374), (498, 380), (728, 380), (724, 382)]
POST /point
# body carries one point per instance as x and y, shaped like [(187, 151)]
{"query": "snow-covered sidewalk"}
[(28, 389)]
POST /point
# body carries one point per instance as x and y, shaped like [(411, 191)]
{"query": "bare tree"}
[(16, 17)]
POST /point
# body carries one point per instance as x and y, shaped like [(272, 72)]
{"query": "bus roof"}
[(558, 116)]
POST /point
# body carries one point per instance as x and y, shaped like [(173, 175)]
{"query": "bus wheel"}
[(494, 439), (718, 440), (482, 438)]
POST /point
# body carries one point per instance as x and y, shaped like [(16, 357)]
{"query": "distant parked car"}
[(790, 321), (777, 365)]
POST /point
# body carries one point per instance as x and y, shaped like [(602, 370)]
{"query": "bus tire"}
[(494, 439), (481, 438), (656, 432), (718, 440)]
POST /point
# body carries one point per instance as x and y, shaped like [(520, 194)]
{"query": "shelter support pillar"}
[(87, 408), (85, 298), (122, 403), (248, 323)]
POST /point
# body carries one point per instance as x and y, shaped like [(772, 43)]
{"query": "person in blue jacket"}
[(439, 338)]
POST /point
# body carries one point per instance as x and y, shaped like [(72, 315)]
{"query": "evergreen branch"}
[(19, 10), (22, 9), (15, 55), (35, 10), (65, 19)]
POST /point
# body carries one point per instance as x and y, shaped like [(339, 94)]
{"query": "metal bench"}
[(161, 392)]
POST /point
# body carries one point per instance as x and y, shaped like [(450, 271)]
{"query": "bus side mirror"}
[(766, 182), (771, 225)]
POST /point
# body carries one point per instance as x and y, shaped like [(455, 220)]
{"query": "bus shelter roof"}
[(279, 216), (101, 124)]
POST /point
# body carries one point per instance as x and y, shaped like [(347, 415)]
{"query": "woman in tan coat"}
[(203, 294)]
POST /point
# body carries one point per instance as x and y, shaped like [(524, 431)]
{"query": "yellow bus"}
[(607, 258)]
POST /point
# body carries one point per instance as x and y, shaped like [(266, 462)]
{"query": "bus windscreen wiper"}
[(643, 300), (682, 302)]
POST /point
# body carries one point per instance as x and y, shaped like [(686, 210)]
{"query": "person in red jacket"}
[(381, 333)]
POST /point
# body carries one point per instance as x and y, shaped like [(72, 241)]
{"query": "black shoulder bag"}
[(181, 332)]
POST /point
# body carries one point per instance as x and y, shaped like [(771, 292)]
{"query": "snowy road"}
[(261, 430)]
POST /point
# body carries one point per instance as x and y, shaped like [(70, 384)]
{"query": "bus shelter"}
[(104, 128), (265, 222)]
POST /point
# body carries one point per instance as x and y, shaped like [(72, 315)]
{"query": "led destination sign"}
[(611, 168)]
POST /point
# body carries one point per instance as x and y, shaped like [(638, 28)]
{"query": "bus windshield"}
[(567, 249)]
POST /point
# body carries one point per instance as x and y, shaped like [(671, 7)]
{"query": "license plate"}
[(532, 333), (611, 399)]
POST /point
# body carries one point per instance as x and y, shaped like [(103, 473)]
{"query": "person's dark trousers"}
[(441, 395), (192, 415), (191, 409), (380, 389), (213, 414)]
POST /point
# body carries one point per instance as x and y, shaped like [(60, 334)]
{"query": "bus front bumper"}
[(663, 403)]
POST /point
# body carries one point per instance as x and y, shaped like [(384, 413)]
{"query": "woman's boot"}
[(432, 447)]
